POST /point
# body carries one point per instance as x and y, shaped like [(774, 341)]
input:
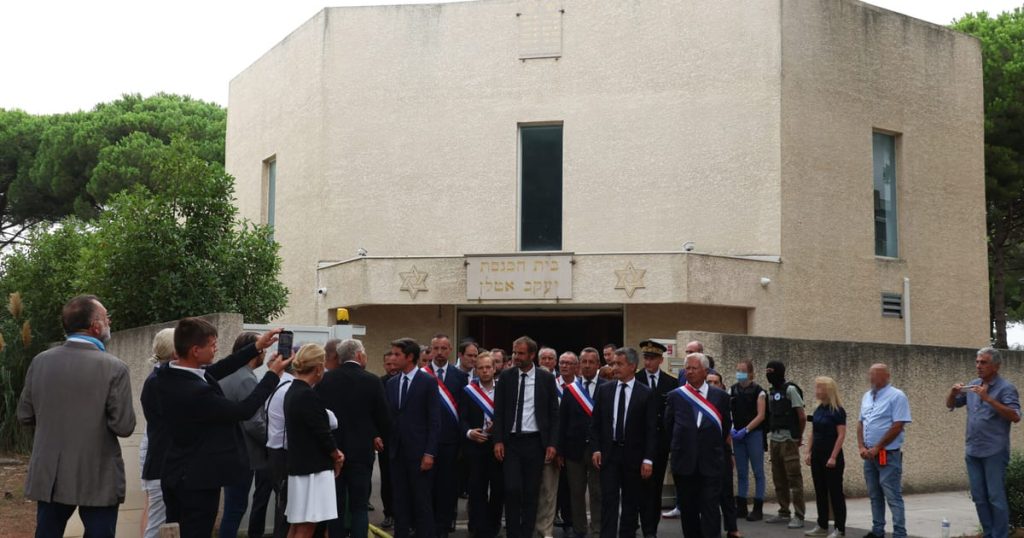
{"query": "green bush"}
[(1015, 489), (17, 347)]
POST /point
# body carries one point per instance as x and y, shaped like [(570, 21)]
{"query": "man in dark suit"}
[(383, 462), (446, 491), (412, 446), (624, 435), (486, 488), (662, 383), (525, 434), (697, 419), (574, 448), (357, 398), (207, 451)]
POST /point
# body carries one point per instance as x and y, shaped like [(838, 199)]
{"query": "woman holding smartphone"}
[(313, 458), (825, 456)]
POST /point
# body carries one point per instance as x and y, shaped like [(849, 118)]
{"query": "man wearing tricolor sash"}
[(486, 484), (450, 382), (573, 444), (698, 422)]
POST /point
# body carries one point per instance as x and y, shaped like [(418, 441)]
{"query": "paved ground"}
[(924, 518)]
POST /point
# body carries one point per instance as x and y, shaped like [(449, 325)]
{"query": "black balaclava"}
[(777, 377)]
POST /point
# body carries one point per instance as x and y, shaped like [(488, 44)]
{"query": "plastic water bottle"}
[(945, 528)]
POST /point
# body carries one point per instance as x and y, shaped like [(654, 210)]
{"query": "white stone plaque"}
[(518, 277)]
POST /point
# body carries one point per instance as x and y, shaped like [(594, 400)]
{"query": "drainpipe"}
[(906, 310)]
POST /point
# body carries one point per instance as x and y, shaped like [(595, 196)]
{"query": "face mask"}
[(741, 377)]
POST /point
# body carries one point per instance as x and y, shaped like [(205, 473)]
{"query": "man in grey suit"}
[(237, 387), (79, 398)]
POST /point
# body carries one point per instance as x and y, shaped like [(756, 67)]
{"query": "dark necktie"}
[(620, 419), (405, 390), (519, 404), (591, 394), (440, 374), (654, 382)]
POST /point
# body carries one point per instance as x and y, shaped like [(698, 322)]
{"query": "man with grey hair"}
[(992, 405), (698, 422), (331, 360), (357, 398)]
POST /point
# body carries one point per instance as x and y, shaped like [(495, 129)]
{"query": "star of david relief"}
[(413, 281), (630, 279)]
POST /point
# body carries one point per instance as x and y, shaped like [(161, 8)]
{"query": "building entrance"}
[(566, 330)]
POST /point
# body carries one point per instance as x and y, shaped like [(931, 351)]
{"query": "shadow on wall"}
[(934, 443)]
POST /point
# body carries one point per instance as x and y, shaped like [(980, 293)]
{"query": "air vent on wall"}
[(892, 305)]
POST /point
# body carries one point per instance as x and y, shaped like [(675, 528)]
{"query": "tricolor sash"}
[(446, 396), (479, 395), (701, 404), (582, 397)]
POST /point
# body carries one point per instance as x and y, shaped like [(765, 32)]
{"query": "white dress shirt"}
[(198, 371), (657, 378), (408, 375), (593, 385), (529, 409), (703, 390), (275, 415), (615, 404)]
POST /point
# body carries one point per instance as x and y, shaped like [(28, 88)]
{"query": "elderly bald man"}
[(884, 412)]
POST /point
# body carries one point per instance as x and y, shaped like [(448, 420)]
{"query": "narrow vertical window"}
[(269, 190), (540, 217), (886, 230)]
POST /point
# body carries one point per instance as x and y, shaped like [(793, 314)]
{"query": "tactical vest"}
[(744, 404), (781, 412)]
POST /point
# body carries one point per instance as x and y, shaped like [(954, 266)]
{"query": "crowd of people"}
[(533, 439)]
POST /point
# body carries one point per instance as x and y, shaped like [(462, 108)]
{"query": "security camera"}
[(361, 252), (689, 246), (321, 291)]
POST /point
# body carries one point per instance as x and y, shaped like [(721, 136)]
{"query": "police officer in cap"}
[(661, 383)]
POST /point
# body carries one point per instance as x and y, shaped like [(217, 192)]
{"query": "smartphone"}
[(284, 344), (966, 388)]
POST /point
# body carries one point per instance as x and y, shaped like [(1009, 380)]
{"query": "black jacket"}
[(641, 436), (156, 430), (470, 414), (666, 384), (415, 422), (697, 451), (574, 424), (308, 430), (454, 380), (545, 404), (206, 446), (357, 398)]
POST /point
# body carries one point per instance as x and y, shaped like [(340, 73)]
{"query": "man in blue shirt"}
[(992, 405), (884, 411)]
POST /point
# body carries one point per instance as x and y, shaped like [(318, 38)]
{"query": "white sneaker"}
[(817, 531), (837, 534), (796, 523), (671, 514)]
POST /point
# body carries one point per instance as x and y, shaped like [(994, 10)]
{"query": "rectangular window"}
[(269, 190), (884, 147), (540, 217)]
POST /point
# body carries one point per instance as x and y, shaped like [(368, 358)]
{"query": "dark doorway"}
[(563, 331)]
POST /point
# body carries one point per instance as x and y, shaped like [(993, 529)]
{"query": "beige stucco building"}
[(788, 168)]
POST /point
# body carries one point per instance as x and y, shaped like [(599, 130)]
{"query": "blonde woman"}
[(155, 440), (825, 456), (314, 460)]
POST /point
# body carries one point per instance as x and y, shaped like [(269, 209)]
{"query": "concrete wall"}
[(135, 347), (934, 445)]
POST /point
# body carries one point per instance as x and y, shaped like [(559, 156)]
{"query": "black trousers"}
[(486, 489), (524, 461), (565, 499), (194, 510), (264, 486), (726, 500), (52, 519), (277, 467), (412, 494), (620, 484), (352, 489), (384, 464), (650, 510), (699, 496), (828, 484), (446, 487)]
